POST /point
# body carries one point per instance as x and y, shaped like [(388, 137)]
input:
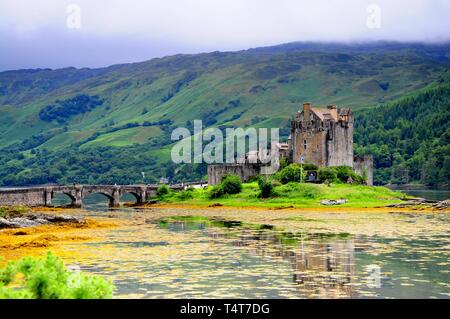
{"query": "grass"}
[(295, 195), (48, 278)]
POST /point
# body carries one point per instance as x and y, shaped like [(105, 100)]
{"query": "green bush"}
[(283, 163), (162, 190), (343, 173), (290, 173), (216, 192), (48, 278), (231, 184), (185, 194), (346, 172), (310, 167), (339, 174), (327, 174), (266, 188)]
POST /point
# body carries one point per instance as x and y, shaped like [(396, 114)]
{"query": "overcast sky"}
[(51, 33)]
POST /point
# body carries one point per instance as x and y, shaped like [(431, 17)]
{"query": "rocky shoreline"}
[(35, 219), (422, 202)]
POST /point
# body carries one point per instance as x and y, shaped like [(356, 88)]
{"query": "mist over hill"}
[(110, 124)]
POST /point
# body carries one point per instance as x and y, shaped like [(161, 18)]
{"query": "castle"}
[(319, 136), (323, 137)]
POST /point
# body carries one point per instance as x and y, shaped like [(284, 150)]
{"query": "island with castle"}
[(319, 136)]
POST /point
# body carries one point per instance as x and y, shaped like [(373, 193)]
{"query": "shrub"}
[(48, 278), (283, 163), (346, 172), (185, 194), (162, 190), (310, 167), (327, 174), (343, 173), (290, 173), (216, 192), (266, 188), (231, 184)]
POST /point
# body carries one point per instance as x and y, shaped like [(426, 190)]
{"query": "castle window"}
[(305, 144)]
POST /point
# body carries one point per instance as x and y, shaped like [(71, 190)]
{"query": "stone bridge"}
[(42, 196)]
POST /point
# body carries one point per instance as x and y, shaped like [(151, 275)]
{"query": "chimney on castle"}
[(333, 111), (306, 111)]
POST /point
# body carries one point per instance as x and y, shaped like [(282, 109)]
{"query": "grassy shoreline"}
[(292, 195)]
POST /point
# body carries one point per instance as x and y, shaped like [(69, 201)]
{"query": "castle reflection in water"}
[(321, 268)]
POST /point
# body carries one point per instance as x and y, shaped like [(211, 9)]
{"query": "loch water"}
[(226, 253)]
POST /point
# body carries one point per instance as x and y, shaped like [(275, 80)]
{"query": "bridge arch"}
[(137, 197), (62, 197), (109, 197)]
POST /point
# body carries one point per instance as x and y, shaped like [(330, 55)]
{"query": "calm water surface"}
[(428, 193), (173, 253)]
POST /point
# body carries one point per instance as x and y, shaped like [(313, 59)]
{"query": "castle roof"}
[(324, 114)]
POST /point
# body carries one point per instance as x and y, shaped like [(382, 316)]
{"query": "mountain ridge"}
[(143, 101)]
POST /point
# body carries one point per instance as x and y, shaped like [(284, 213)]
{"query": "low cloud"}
[(36, 34)]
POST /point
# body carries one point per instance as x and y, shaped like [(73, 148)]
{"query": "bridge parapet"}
[(42, 196)]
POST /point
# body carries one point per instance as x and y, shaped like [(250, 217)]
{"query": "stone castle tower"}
[(322, 136)]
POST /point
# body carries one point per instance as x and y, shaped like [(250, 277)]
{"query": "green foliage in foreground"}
[(48, 278), (293, 195), (229, 185), (266, 187)]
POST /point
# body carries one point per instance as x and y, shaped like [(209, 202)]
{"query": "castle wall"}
[(244, 171), (340, 145), (364, 165), (315, 150)]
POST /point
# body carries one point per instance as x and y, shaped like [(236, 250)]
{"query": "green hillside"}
[(108, 125), (409, 138)]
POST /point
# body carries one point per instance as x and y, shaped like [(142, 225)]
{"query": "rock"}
[(62, 219), (331, 202), (443, 204), (19, 222), (421, 202), (31, 220), (4, 223), (41, 221)]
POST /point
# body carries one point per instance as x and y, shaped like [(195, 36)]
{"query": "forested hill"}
[(110, 124), (409, 138)]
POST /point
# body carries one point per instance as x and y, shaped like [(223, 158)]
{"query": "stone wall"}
[(244, 171), (315, 151), (323, 137), (340, 145), (364, 165), (29, 197)]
